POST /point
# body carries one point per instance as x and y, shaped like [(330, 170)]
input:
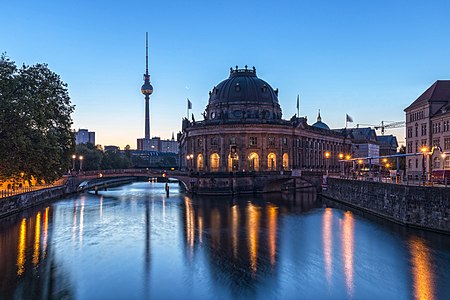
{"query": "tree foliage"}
[(95, 159), (35, 122)]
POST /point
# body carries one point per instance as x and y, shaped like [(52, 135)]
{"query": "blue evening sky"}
[(369, 59)]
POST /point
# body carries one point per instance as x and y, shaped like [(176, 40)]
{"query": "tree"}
[(35, 122)]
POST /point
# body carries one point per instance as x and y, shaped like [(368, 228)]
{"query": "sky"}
[(367, 59)]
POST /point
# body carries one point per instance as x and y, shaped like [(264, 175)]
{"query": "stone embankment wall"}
[(416, 206), (14, 204)]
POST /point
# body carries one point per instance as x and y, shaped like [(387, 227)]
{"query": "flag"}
[(189, 104), (298, 101), (348, 118)]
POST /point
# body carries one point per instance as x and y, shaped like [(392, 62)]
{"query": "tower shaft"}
[(147, 117)]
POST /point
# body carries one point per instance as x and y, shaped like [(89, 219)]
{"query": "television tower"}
[(147, 90)]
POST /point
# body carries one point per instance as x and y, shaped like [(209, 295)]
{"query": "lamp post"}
[(81, 162), (423, 150), (73, 162), (341, 157), (327, 159), (348, 157), (443, 155)]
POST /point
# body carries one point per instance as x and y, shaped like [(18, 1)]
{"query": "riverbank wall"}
[(16, 203), (414, 206)]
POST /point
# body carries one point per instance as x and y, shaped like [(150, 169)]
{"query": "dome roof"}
[(320, 124), (243, 86)]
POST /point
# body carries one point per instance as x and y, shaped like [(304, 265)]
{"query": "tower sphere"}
[(147, 89)]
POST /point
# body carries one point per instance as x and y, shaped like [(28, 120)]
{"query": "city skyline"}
[(369, 61)]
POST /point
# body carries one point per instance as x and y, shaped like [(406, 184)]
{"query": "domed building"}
[(243, 131)]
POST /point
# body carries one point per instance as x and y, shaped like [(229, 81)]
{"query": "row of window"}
[(233, 162), (436, 163), (419, 115), (435, 142), (253, 141)]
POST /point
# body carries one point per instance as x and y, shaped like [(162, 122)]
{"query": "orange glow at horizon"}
[(253, 217), (422, 270), (347, 250), (37, 239), (272, 213), (21, 247), (327, 239)]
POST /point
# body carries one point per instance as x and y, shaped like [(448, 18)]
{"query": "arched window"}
[(409, 164), (253, 162), (285, 161), (271, 162), (233, 162), (200, 162), (214, 162)]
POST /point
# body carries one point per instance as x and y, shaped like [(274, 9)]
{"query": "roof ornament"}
[(231, 70), (236, 67), (254, 69), (319, 118), (245, 67)]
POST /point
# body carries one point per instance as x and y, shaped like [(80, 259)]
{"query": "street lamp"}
[(73, 162), (81, 162), (423, 150), (443, 155), (327, 158)]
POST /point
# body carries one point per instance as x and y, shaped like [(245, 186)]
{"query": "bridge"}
[(213, 183)]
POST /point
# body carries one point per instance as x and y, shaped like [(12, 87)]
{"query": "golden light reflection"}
[(347, 250), (235, 229), (190, 223), (272, 213), (327, 239), (200, 229), (21, 247), (253, 234), (422, 271), (37, 239), (45, 232)]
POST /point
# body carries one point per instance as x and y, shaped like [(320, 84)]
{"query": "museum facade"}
[(243, 131)]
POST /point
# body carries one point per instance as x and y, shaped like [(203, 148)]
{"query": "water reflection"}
[(253, 234), (422, 270), (21, 247), (272, 213), (37, 239), (327, 240), (347, 250)]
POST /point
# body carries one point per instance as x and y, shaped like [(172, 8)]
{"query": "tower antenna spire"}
[(146, 53)]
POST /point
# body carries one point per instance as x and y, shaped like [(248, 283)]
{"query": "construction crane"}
[(385, 125)]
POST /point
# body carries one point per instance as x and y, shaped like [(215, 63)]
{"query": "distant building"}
[(114, 149), (388, 144), (154, 159), (83, 136), (156, 144), (364, 142), (428, 128)]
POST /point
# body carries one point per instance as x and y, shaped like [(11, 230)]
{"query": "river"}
[(133, 242)]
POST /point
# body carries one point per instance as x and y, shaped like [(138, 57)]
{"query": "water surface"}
[(132, 242)]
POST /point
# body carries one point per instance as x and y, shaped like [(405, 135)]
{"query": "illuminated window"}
[(285, 161), (214, 162), (271, 162), (200, 162), (253, 162)]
